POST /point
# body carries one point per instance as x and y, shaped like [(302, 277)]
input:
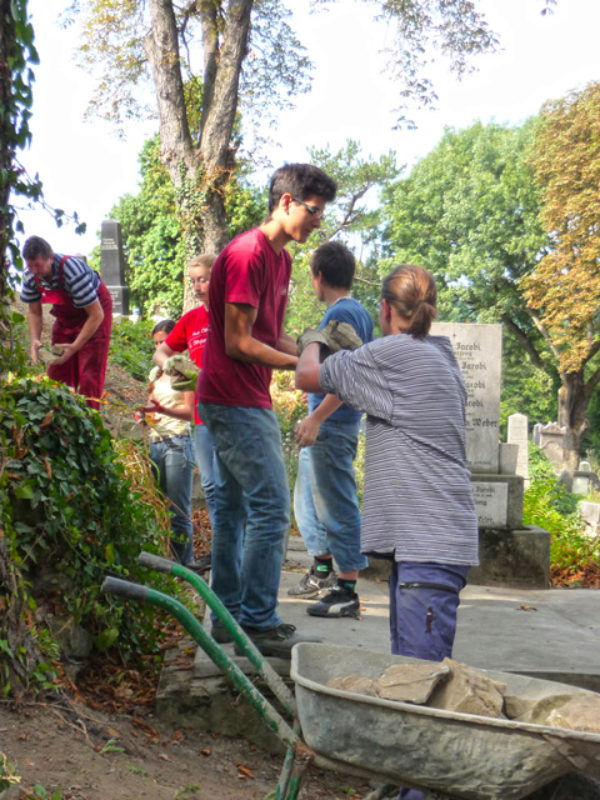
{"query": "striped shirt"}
[(79, 281), (418, 501)]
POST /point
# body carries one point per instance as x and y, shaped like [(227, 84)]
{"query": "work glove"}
[(183, 373), (334, 336)]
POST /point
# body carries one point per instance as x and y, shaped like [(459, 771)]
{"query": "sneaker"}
[(340, 602), (312, 586), (277, 641), (220, 634)]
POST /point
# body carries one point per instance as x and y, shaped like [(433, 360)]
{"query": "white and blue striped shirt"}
[(418, 501), (79, 281)]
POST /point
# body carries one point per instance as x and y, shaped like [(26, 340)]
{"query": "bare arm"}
[(95, 317), (184, 411), (307, 429), (287, 344), (35, 322), (162, 352), (241, 345), (307, 371)]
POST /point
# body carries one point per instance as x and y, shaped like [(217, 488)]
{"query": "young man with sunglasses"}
[(247, 297)]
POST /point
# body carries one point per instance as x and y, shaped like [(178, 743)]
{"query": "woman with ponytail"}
[(418, 507)]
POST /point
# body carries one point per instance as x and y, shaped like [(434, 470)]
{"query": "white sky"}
[(86, 167)]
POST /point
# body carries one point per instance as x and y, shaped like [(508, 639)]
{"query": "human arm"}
[(242, 346), (162, 352), (307, 429), (95, 317), (287, 344), (35, 321), (307, 371), (184, 411)]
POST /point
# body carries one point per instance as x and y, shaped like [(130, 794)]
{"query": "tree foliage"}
[(245, 57), (564, 289)]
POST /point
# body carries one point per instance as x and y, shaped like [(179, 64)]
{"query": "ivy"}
[(72, 514)]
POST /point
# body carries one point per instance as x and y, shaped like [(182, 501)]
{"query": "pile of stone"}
[(453, 686)]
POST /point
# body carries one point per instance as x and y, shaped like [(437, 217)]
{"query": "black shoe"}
[(200, 565), (220, 634), (277, 641), (340, 602), (311, 585)]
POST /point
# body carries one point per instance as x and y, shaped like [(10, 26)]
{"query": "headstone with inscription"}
[(112, 265), (518, 433), (478, 349)]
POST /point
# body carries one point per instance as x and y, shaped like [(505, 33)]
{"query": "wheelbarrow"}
[(394, 743)]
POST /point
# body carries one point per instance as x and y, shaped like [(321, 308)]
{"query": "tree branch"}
[(525, 341)]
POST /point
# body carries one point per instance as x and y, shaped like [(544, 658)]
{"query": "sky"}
[(86, 167)]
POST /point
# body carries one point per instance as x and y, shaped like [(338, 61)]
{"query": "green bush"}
[(549, 505), (71, 513)]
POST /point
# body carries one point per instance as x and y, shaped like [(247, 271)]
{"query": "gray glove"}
[(183, 373), (334, 336)]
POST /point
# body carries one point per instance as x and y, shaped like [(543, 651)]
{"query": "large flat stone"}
[(513, 558)]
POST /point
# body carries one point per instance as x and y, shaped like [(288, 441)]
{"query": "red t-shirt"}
[(190, 334), (247, 271)]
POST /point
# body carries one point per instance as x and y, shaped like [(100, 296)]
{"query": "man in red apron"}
[(82, 306)]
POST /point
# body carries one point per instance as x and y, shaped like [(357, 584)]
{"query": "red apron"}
[(84, 371)]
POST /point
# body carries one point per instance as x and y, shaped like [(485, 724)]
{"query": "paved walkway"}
[(546, 633)]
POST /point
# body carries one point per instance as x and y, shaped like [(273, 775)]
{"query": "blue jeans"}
[(325, 500), (252, 511), (174, 463), (204, 450), (423, 619)]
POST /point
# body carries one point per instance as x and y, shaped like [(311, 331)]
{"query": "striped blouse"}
[(418, 502), (80, 282)]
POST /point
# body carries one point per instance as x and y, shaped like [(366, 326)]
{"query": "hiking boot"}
[(277, 641), (200, 565), (339, 602), (311, 585), (220, 634)]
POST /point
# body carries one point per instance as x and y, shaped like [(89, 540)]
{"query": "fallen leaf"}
[(206, 752), (245, 771), (526, 608), (164, 757), (22, 736)]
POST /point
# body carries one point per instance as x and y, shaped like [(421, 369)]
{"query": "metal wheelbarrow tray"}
[(466, 755)]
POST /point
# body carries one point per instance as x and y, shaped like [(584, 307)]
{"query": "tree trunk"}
[(199, 172), (573, 398)]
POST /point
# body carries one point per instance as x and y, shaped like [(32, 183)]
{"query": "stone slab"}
[(513, 558)]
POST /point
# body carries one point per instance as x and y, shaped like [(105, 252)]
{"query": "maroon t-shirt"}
[(247, 271)]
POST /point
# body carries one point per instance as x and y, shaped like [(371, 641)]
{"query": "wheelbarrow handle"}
[(133, 591), (152, 561)]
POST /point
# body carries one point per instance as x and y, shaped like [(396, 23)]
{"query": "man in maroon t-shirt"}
[(247, 299)]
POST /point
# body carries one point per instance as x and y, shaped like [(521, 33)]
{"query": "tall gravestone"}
[(518, 433), (509, 552), (112, 265)]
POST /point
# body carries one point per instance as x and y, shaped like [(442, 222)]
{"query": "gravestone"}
[(478, 350), (535, 435), (112, 265), (518, 434)]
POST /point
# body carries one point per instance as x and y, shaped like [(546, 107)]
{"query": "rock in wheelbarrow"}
[(410, 683)]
